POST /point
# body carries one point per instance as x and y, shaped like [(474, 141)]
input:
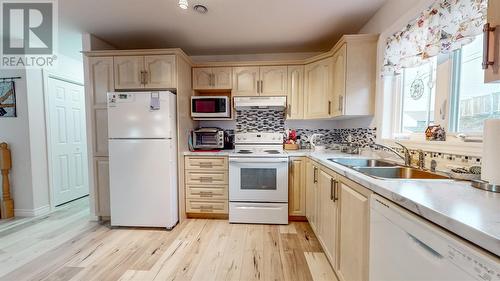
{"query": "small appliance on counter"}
[(208, 139)]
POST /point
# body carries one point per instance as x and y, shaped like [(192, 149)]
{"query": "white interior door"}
[(67, 141)]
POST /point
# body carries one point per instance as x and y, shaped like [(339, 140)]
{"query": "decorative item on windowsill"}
[(472, 173), (291, 141), (435, 133)]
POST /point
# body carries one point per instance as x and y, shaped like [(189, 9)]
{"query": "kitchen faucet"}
[(406, 156)]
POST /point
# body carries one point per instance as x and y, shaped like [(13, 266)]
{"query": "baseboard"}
[(32, 212), (207, 216), (297, 218)]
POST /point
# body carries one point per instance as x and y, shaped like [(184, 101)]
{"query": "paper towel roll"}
[(490, 170)]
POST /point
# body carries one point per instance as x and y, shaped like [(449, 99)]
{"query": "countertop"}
[(470, 213)]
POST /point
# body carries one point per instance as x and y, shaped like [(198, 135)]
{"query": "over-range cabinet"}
[(123, 70)]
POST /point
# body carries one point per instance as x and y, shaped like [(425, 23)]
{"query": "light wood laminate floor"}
[(65, 245)]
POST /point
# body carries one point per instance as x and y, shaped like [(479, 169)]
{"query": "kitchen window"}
[(427, 91), (472, 101)]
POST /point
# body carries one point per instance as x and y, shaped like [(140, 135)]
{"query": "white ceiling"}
[(230, 26)]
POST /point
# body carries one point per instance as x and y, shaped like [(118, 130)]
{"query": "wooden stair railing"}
[(6, 202)]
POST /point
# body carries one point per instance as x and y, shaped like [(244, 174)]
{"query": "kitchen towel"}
[(490, 170)]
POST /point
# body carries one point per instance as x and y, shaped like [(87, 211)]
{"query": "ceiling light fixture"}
[(183, 4), (200, 9)]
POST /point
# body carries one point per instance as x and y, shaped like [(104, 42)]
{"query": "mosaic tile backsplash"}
[(260, 120), (361, 136)]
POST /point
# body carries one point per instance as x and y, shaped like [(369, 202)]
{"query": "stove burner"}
[(272, 152), (244, 151)]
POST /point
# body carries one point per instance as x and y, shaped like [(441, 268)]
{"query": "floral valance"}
[(444, 27)]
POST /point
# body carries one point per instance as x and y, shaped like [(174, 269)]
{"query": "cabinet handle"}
[(261, 86), (288, 111), (204, 179), (332, 189), (206, 194), (336, 191), (141, 77), (329, 107), (146, 77), (487, 29), (315, 179), (205, 164), (341, 104)]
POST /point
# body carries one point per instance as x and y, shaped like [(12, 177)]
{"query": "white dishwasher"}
[(404, 247)]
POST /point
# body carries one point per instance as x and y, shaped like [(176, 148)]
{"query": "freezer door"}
[(143, 183), (141, 115)]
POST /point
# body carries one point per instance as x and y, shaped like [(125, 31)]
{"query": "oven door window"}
[(258, 179)]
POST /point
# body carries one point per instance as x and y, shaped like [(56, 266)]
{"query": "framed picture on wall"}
[(7, 99)]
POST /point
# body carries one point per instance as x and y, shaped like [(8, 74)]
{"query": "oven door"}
[(258, 179), (210, 107)]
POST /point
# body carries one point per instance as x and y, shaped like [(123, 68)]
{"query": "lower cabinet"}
[(296, 187), (328, 215), (312, 194), (206, 187), (354, 231), (338, 211)]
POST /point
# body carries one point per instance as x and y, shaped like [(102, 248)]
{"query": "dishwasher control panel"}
[(478, 267)]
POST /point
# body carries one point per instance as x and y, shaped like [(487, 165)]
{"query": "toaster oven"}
[(208, 138)]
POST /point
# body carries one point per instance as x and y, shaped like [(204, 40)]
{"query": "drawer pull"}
[(206, 193), (206, 179), (206, 164)]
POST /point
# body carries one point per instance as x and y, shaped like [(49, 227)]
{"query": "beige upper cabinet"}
[(354, 86), (338, 83), (354, 232), (263, 81), (216, 78), (149, 72), (317, 85), (129, 72), (492, 73), (160, 72), (101, 79), (273, 80), (297, 187), (245, 81), (295, 98)]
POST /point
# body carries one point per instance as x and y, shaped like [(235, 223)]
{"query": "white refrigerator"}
[(143, 159)]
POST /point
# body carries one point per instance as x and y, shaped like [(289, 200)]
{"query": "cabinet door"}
[(295, 98), (245, 81), (312, 193), (354, 234), (102, 185), (128, 72), (100, 129), (339, 81), (160, 72), (223, 77), (296, 190), (101, 79), (317, 89), (328, 216), (202, 78), (274, 80), (492, 74)]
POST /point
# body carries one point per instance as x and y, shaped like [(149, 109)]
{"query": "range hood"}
[(260, 102)]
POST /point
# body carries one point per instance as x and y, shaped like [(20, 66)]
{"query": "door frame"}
[(46, 75)]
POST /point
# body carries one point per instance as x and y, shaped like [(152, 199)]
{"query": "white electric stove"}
[(258, 179)]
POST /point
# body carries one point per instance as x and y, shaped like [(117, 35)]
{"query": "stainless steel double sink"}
[(381, 169)]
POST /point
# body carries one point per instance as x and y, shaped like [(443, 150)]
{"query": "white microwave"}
[(210, 107)]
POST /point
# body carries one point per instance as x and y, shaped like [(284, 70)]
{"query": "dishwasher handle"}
[(422, 245)]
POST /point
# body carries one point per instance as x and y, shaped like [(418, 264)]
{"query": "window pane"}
[(418, 97), (477, 101)]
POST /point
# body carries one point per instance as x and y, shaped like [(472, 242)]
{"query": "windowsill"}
[(451, 146)]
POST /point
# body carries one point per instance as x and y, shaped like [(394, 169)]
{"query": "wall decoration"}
[(7, 99), (417, 89)]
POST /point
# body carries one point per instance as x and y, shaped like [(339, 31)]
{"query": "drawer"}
[(207, 206), (206, 178), (206, 163), (204, 192)]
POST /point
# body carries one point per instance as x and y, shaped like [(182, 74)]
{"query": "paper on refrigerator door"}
[(155, 101)]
